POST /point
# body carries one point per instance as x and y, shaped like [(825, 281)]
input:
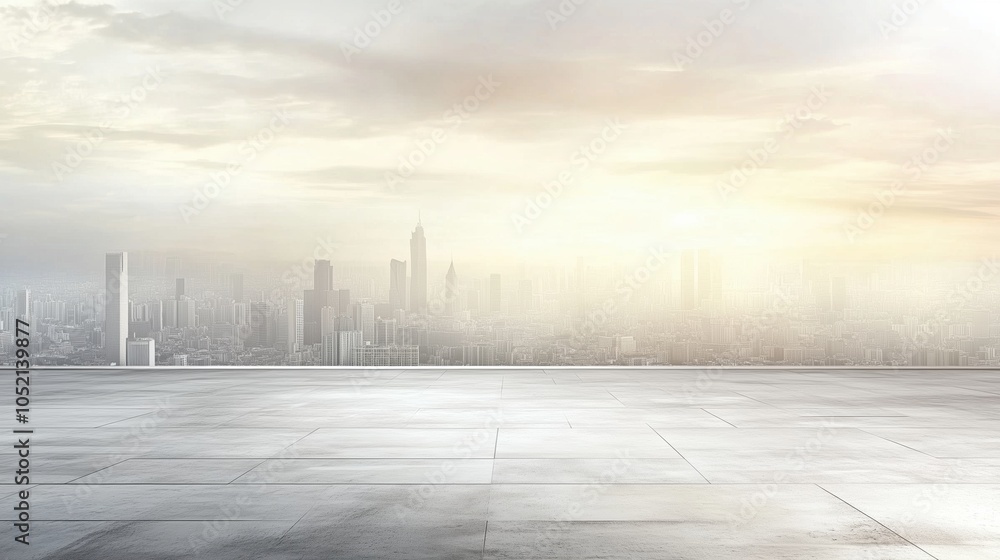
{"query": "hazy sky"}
[(116, 116)]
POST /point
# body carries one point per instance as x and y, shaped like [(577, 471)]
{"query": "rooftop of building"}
[(231, 463)]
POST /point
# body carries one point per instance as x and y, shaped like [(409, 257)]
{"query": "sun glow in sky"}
[(856, 128)]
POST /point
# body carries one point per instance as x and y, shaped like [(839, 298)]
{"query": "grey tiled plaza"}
[(504, 464)]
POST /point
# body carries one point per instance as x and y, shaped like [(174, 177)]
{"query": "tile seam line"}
[(820, 486), (680, 454)]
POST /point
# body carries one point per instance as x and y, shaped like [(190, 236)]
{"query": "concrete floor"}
[(646, 464)]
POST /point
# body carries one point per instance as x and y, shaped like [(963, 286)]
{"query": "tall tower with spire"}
[(418, 267)]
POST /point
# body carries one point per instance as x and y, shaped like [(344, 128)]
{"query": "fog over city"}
[(596, 183)]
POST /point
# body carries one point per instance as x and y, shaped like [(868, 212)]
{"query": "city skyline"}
[(684, 307)]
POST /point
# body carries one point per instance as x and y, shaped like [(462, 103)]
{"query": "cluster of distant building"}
[(692, 313)]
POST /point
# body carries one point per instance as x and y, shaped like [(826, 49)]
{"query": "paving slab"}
[(613, 463)]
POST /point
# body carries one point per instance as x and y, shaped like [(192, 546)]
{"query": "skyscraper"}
[(386, 332), (364, 321), (397, 285), (418, 263), (838, 294), (314, 300), (451, 290), (342, 301), (706, 274), (526, 296), (496, 295), (236, 287), (294, 325), (116, 308), (186, 313), (24, 304), (156, 316), (689, 280), (338, 347), (262, 329), (180, 289), (323, 276)]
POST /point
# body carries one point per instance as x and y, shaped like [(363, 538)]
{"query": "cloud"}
[(353, 119)]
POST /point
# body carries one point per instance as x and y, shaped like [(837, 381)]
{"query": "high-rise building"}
[(838, 294), (526, 296), (418, 264), (314, 300), (496, 293), (116, 308), (23, 305), (342, 301), (472, 300), (282, 320), (479, 355), (141, 352), (170, 313), (689, 280), (706, 275), (397, 285), (339, 346), (262, 330), (451, 291), (236, 287), (386, 356), (186, 313), (294, 325), (323, 276), (387, 332), (364, 321), (156, 316), (180, 289), (980, 324)]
